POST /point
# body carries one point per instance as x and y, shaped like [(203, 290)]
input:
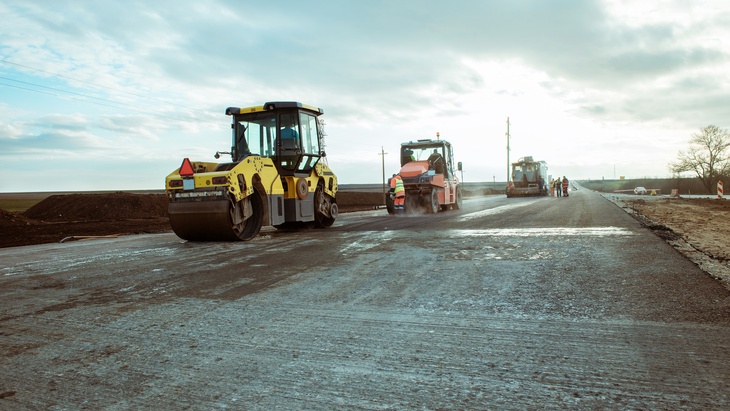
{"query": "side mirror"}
[(458, 166), (218, 154)]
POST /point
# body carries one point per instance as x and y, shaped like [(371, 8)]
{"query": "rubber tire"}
[(432, 202), (252, 226), (459, 199), (389, 202), (321, 220)]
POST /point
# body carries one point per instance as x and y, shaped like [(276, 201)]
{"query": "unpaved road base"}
[(509, 304)]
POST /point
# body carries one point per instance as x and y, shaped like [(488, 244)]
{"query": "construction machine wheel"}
[(389, 205), (431, 201), (217, 220), (325, 208), (250, 227), (459, 199)]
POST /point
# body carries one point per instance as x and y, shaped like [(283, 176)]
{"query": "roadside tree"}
[(707, 156)]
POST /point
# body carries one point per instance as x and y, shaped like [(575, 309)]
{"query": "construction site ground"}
[(523, 303), (697, 227), (702, 223)]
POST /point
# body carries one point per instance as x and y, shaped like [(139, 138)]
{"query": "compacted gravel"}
[(524, 303)]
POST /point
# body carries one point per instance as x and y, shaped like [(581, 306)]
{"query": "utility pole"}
[(507, 150), (382, 155)]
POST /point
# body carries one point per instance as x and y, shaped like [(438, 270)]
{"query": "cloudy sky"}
[(109, 95)]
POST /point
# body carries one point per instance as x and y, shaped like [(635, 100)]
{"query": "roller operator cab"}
[(277, 177), (429, 177)]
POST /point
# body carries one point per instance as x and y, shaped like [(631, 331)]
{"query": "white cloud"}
[(588, 85)]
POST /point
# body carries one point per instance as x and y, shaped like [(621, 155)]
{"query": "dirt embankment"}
[(76, 215)]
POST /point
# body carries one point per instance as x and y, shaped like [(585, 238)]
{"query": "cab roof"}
[(425, 144), (273, 105)]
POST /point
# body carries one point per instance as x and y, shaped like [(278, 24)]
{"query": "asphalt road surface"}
[(523, 303)]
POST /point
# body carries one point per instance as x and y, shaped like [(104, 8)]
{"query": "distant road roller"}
[(277, 177)]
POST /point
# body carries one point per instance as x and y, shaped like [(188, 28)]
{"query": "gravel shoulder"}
[(699, 228)]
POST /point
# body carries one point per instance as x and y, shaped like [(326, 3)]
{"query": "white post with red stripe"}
[(719, 190)]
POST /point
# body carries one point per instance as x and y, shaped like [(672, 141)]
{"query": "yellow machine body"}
[(277, 177)]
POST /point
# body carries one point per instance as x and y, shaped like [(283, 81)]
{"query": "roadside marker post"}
[(719, 190)]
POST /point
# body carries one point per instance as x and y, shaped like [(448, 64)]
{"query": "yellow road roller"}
[(277, 177)]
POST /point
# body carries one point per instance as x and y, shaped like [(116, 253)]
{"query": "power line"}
[(97, 85), (161, 115), (86, 96)]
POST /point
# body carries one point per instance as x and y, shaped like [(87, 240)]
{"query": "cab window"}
[(254, 135), (310, 136)]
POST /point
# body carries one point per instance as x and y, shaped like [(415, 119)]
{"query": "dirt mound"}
[(126, 206), (60, 216), (711, 203), (96, 207), (8, 219)]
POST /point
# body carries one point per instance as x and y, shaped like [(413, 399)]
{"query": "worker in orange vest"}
[(399, 194)]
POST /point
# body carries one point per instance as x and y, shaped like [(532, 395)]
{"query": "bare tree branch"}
[(707, 156)]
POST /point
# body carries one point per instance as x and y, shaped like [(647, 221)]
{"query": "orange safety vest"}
[(397, 184)]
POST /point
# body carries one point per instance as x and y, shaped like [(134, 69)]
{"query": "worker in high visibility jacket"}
[(399, 194)]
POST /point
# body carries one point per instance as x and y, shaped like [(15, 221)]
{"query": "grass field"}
[(18, 205), (19, 202)]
